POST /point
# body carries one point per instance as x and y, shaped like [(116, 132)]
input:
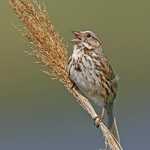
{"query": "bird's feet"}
[(99, 118), (97, 121)]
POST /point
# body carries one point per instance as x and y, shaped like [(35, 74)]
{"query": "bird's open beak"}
[(77, 36)]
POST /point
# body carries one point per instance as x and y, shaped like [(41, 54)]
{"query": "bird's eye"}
[(88, 35)]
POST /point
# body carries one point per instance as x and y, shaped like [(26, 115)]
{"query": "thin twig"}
[(50, 50)]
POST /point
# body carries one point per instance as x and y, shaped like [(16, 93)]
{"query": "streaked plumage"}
[(91, 72)]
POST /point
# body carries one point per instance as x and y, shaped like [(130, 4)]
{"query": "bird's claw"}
[(97, 121)]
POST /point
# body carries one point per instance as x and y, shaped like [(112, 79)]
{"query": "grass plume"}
[(50, 50)]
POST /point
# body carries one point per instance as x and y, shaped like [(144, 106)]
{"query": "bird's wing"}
[(108, 80)]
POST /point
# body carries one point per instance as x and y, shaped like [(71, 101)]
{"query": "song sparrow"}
[(92, 74)]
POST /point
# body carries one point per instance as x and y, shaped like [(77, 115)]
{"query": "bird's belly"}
[(88, 84)]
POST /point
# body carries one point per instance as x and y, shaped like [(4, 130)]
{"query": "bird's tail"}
[(111, 122)]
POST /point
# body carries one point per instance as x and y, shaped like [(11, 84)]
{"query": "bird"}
[(93, 76)]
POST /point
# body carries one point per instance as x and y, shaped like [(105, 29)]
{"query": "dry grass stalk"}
[(50, 51)]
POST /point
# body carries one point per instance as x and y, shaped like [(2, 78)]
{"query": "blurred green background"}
[(38, 113)]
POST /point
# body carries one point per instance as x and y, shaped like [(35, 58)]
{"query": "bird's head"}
[(88, 39)]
